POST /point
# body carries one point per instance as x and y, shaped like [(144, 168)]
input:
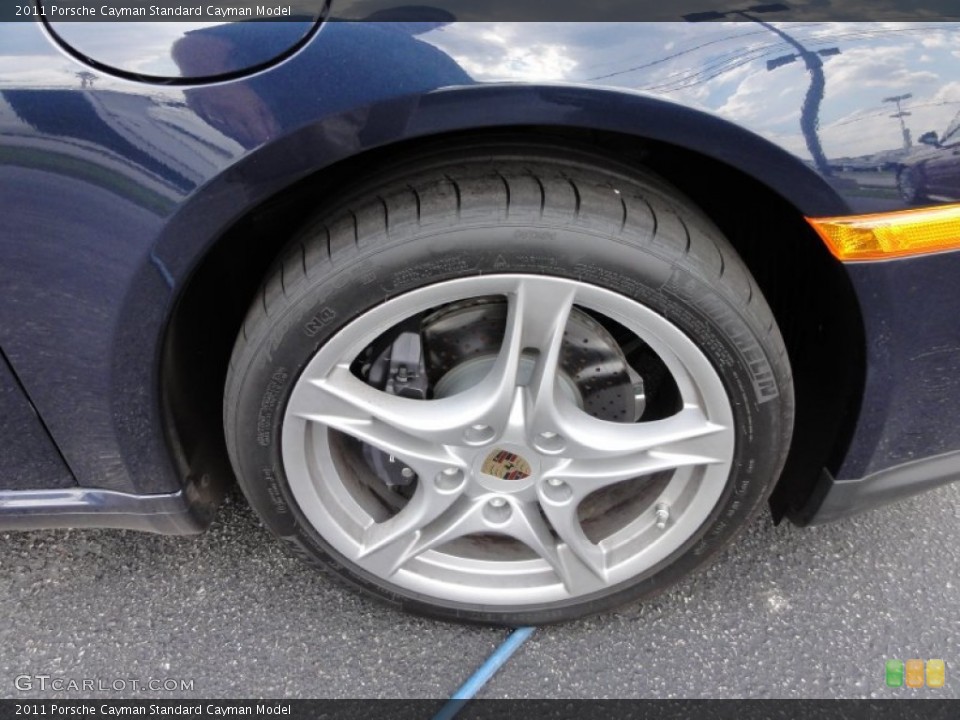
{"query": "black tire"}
[(535, 210)]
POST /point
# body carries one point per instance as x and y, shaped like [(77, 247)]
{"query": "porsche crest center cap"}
[(506, 465)]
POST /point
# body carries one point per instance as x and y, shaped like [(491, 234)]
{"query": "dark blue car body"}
[(149, 174)]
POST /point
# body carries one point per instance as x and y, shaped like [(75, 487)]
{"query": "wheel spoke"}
[(389, 544), (544, 312), (537, 315), (578, 563), (344, 401), (426, 525), (405, 539), (527, 526), (661, 445), (371, 417), (587, 438), (584, 562)]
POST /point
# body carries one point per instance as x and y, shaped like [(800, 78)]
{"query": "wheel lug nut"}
[(450, 479), (556, 490), (478, 434), (497, 511), (549, 442), (407, 473), (663, 515)]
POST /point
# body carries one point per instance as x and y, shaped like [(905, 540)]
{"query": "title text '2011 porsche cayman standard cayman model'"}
[(497, 320)]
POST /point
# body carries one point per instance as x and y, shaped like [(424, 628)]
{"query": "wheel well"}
[(808, 290)]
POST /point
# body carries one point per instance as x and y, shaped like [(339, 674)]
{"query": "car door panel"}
[(28, 458)]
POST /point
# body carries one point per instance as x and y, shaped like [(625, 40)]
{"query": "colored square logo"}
[(914, 673), (894, 673), (936, 673)]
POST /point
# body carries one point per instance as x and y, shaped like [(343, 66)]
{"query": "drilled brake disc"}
[(461, 342)]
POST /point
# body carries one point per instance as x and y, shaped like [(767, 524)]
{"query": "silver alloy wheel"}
[(453, 443)]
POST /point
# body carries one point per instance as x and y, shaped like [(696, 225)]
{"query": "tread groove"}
[(653, 214), (543, 193), (416, 197), (506, 188), (576, 198), (356, 229), (386, 215), (456, 191), (686, 232)]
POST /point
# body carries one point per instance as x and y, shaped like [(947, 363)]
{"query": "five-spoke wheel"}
[(513, 455)]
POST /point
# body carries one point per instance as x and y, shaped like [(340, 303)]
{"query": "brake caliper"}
[(399, 370)]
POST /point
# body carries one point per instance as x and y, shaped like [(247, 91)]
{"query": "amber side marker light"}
[(890, 235)]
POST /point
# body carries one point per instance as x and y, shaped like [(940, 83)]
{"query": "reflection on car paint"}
[(147, 175)]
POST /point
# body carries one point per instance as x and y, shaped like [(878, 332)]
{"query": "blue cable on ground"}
[(483, 673)]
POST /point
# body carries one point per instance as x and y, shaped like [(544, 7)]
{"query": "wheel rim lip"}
[(308, 462)]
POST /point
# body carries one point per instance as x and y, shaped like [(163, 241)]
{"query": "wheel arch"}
[(719, 165)]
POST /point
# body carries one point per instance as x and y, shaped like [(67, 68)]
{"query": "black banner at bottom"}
[(929, 709)]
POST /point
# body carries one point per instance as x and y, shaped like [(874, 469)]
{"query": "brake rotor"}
[(461, 342)]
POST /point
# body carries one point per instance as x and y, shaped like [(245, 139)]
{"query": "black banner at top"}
[(476, 10)]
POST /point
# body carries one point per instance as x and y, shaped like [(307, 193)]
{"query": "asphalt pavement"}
[(785, 612)]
